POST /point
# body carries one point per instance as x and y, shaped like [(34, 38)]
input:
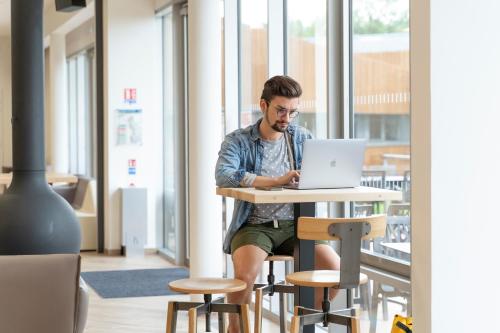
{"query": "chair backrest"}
[(398, 229), (407, 186), (39, 293), (67, 191), (399, 209), (373, 178), (85, 199), (81, 190), (315, 228), (350, 232)]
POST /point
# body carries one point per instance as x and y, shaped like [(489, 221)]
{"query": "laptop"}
[(332, 163)]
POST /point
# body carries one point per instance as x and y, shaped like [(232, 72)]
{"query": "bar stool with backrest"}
[(207, 287), (270, 288), (350, 232)]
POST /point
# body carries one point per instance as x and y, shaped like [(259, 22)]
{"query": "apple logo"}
[(333, 163)]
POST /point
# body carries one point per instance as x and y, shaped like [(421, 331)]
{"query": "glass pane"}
[(306, 63), (72, 115), (306, 60), (82, 122), (169, 138), (254, 59), (80, 114), (381, 114), (381, 105)]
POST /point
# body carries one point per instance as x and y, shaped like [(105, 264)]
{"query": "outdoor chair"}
[(398, 230)]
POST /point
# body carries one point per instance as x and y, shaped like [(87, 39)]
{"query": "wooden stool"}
[(270, 288), (350, 231), (207, 287)]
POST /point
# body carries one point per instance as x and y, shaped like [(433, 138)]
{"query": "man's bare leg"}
[(247, 263), (325, 258)]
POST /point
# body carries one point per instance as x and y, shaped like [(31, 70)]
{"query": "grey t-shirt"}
[(275, 163)]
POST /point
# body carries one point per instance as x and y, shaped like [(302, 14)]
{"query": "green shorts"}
[(274, 241)]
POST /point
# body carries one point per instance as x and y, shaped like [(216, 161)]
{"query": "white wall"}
[(455, 73), (132, 59), (5, 103), (159, 4), (80, 38)]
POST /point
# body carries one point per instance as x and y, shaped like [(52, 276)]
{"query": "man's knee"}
[(247, 263), (246, 276), (326, 257)]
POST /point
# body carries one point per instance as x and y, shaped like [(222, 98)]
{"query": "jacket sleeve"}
[(228, 170)]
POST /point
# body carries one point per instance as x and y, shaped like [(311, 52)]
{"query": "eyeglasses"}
[(281, 112)]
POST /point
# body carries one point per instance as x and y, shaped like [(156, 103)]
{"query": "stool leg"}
[(171, 317), (192, 320), (244, 318), (222, 323), (282, 313), (385, 309), (258, 311), (373, 312), (355, 325), (207, 322), (367, 300), (295, 324)]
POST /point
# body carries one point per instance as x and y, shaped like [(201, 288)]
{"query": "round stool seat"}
[(207, 285), (319, 278), (279, 258)]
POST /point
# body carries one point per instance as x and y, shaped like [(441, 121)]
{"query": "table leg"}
[(304, 259)]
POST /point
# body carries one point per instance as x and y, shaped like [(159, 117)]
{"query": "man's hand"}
[(290, 177)]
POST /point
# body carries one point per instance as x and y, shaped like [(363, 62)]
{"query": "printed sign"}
[(130, 95), (129, 127), (132, 170)]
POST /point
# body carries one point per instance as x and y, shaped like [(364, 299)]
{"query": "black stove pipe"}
[(27, 86), (33, 218)]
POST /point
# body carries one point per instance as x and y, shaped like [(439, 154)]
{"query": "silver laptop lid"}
[(332, 163)]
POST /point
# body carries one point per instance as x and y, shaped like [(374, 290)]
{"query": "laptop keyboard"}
[(292, 186)]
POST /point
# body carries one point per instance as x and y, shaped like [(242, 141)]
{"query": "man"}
[(268, 153)]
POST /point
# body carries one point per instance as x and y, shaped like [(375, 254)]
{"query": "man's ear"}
[(263, 105)]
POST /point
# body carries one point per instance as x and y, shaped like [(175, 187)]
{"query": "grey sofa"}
[(42, 293)]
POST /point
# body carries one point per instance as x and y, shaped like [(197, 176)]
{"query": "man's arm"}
[(290, 177), (227, 170)]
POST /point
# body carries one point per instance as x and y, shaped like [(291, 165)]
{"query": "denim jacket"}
[(241, 151)]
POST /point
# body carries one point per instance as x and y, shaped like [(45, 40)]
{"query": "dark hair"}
[(281, 85)]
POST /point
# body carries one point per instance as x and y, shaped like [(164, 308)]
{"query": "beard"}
[(278, 126)]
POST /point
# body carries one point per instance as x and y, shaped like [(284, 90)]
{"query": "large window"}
[(381, 114), (253, 58), (306, 60), (175, 214), (296, 38), (169, 214), (81, 114)]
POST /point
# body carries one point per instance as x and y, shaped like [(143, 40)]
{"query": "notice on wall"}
[(129, 127), (130, 95)]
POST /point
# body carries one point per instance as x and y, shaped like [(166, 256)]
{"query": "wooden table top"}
[(360, 193), (6, 178)]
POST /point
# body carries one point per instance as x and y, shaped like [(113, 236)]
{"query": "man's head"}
[(279, 101)]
